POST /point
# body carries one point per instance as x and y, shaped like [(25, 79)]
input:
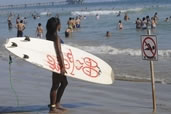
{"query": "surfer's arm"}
[(60, 57)]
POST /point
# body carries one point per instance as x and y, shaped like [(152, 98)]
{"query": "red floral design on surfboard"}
[(86, 65)]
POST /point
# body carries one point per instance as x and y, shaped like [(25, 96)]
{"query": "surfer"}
[(59, 80)]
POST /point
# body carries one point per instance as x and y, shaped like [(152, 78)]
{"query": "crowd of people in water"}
[(147, 22), (144, 23), (74, 23), (20, 25)]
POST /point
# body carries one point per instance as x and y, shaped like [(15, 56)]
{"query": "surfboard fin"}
[(13, 44), (27, 38), (26, 56)]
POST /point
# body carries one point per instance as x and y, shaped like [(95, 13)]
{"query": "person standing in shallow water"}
[(39, 31), (20, 28), (59, 80), (120, 25)]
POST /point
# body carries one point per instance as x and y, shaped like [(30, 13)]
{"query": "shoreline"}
[(32, 86), (140, 80)]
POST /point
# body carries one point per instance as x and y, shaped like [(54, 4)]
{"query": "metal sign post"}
[(153, 86), (150, 52)]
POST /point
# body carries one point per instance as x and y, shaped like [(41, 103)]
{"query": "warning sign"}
[(149, 47)]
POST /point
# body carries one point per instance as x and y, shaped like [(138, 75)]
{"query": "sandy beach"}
[(32, 86)]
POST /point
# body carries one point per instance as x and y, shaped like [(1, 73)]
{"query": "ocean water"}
[(122, 50)]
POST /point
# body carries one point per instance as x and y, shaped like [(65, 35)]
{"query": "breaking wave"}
[(118, 51), (105, 12)]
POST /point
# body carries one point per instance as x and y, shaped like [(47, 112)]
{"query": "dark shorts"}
[(19, 33), (59, 78), (66, 34), (78, 25)]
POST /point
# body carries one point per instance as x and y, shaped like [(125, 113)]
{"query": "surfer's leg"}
[(55, 85), (60, 92)]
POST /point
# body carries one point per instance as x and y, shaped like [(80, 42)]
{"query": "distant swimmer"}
[(119, 14), (108, 34), (144, 23), (126, 18), (153, 24), (97, 16), (85, 17), (25, 20), (156, 17), (18, 19), (68, 32), (167, 19), (70, 23), (77, 22), (138, 23), (20, 28), (39, 31), (120, 25), (9, 22), (148, 22)]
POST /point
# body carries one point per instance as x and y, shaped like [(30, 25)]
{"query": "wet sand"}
[(32, 86)]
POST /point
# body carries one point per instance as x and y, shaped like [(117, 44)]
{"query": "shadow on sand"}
[(39, 108)]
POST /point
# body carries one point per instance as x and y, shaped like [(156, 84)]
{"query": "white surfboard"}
[(78, 63)]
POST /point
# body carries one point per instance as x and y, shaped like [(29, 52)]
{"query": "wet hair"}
[(39, 24), (21, 21), (107, 34), (147, 17), (144, 19), (52, 25)]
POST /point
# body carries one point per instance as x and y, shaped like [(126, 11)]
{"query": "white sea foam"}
[(45, 13), (104, 12), (100, 12), (137, 78), (104, 49)]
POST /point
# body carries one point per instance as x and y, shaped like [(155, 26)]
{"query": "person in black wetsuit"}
[(59, 80)]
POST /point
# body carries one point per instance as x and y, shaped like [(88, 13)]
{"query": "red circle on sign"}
[(149, 47)]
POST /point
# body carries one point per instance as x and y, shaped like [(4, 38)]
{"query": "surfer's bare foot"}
[(58, 106), (53, 110)]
